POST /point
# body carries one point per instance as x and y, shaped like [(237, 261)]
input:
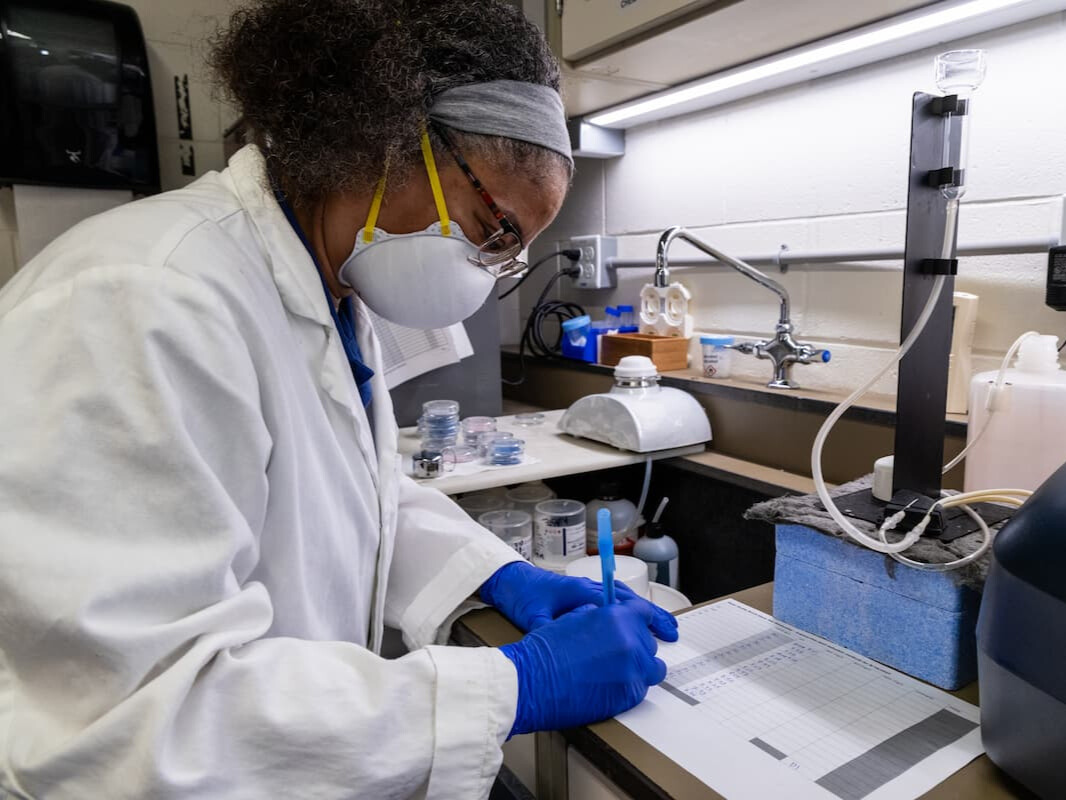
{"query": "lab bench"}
[(608, 760), (749, 421)]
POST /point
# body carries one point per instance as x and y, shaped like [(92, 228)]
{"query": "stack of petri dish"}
[(473, 427), (504, 452), (439, 424)]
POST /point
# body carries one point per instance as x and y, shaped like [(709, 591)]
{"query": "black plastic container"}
[(1021, 644)]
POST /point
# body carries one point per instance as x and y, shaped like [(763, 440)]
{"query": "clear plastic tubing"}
[(515, 528), (558, 531), (473, 427)]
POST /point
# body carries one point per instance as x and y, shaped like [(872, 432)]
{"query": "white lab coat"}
[(202, 535)]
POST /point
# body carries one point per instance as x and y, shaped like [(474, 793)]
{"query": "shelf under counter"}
[(556, 454)]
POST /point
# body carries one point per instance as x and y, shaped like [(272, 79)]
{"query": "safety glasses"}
[(499, 253)]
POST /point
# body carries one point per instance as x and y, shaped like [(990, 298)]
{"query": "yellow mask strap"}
[(375, 209), (434, 183)]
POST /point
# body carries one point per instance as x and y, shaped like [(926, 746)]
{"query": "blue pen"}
[(606, 542)]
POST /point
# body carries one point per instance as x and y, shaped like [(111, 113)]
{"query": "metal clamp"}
[(940, 266), (949, 104), (945, 176)]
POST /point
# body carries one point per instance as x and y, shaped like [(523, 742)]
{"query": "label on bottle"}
[(558, 542), (523, 546)]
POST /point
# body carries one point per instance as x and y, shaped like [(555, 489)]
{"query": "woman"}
[(203, 523)]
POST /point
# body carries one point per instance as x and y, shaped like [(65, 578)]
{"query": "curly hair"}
[(331, 90)]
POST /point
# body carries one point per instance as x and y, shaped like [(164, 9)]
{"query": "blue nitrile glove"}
[(531, 597), (585, 667)]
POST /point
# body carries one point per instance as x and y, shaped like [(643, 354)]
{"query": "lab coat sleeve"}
[(424, 592), (134, 656)]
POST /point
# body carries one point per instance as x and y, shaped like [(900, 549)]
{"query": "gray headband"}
[(528, 112)]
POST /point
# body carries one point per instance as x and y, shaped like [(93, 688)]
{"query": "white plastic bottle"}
[(1025, 438), (660, 553)]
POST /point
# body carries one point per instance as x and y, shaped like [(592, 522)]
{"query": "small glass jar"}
[(479, 503), (515, 528), (525, 497), (558, 532), (717, 357)]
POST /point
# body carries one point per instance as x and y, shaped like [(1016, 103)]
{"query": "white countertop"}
[(557, 454)]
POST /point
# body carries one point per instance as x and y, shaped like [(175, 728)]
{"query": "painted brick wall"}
[(822, 166)]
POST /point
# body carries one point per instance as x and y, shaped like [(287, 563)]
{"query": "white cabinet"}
[(615, 50)]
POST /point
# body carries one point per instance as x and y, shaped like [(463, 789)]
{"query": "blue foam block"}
[(921, 623)]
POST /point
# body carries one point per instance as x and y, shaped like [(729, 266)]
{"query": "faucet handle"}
[(748, 348), (808, 355)]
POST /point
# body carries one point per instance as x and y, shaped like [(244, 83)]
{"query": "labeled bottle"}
[(558, 533), (660, 553)]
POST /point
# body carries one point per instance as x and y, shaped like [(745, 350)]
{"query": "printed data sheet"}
[(756, 708)]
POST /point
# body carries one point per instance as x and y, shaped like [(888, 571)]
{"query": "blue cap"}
[(826, 355), (612, 311), (717, 340), (577, 322), (624, 309)]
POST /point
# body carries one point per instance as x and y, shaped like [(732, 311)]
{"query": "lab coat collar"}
[(300, 287), (295, 275)]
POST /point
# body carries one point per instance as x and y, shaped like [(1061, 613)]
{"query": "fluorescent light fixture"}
[(906, 33), (17, 35)]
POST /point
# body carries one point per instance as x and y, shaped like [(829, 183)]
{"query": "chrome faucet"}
[(783, 350)]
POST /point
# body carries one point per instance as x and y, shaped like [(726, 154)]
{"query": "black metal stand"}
[(923, 374)]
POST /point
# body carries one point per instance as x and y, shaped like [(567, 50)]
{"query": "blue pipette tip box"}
[(921, 623)]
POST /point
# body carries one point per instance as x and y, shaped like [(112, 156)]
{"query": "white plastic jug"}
[(1025, 441)]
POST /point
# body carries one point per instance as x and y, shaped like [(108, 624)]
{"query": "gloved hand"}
[(531, 597), (585, 667)]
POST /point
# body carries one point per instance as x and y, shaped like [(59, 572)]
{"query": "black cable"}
[(1062, 345), (532, 334), (572, 254)]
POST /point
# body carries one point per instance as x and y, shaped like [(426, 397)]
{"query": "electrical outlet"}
[(595, 261)]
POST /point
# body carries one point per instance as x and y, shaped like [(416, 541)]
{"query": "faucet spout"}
[(662, 269)]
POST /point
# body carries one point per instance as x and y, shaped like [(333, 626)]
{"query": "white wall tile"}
[(822, 166)]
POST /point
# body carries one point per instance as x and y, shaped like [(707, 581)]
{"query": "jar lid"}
[(576, 322), (717, 340), (635, 367)]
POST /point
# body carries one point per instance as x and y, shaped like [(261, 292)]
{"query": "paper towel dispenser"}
[(75, 96)]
